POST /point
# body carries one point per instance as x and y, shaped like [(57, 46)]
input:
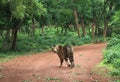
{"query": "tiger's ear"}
[(52, 46)]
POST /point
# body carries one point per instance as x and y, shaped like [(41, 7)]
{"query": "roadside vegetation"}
[(39, 43), (112, 55)]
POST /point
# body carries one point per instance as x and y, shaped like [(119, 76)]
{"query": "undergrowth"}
[(42, 42), (112, 55), (51, 36)]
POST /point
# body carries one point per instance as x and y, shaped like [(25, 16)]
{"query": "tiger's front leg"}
[(72, 63), (66, 59)]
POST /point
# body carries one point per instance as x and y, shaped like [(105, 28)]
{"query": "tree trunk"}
[(106, 18), (105, 27), (14, 41), (83, 28), (57, 28), (7, 41), (1, 35), (42, 31), (62, 30), (76, 22), (93, 30), (33, 27)]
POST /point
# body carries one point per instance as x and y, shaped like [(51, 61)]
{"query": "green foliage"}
[(39, 43), (116, 17), (116, 63), (34, 8), (115, 72), (5, 56), (110, 57), (115, 40), (112, 54), (51, 37), (17, 8), (12, 11)]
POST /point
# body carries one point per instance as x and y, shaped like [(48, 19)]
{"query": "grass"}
[(112, 56), (105, 71), (78, 66), (5, 56), (52, 79)]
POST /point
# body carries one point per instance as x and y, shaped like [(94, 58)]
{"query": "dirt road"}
[(43, 67)]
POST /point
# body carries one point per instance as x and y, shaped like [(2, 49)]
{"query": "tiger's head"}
[(55, 48)]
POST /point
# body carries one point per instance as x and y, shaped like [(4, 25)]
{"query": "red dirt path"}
[(43, 67)]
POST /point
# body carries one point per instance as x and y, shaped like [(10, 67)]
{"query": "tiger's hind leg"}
[(61, 62)]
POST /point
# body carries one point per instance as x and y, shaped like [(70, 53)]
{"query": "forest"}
[(32, 26)]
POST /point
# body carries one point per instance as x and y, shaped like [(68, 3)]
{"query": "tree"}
[(83, 7), (15, 12), (108, 13), (96, 16)]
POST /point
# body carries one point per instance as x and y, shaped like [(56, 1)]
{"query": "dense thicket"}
[(112, 55), (85, 17), (13, 15)]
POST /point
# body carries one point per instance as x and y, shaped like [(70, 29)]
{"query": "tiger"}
[(64, 53)]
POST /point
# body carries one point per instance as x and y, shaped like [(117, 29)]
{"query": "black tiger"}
[(64, 53)]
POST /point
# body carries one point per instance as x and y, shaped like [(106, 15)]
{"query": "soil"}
[(44, 67)]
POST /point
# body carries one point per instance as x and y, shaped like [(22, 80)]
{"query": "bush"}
[(110, 57), (115, 72), (112, 54), (116, 63), (113, 41), (51, 37)]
